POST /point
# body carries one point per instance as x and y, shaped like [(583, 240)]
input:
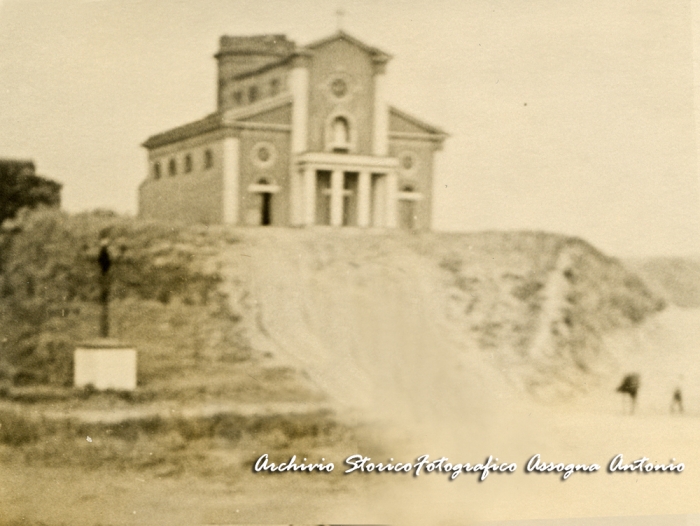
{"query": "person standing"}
[(677, 400)]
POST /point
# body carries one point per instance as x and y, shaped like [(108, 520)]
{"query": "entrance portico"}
[(345, 190)]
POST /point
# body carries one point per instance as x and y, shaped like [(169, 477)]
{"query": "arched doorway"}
[(266, 209)]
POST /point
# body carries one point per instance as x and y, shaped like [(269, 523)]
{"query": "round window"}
[(339, 88), (408, 162), (263, 154)]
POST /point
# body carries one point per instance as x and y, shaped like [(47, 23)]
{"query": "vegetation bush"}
[(16, 430), (21, 188), (49, 289)]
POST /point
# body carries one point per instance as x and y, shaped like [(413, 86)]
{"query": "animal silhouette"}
[(630, 386)]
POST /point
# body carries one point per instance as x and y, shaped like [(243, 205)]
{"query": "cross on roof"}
[(340, 13)]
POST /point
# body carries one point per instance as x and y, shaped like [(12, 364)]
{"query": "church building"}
[(303, 135)]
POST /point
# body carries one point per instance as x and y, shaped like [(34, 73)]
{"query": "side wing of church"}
[(301, 136)]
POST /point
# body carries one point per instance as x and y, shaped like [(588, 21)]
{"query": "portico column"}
[(363, 191), (337, 178), (296, 196), (379, 205), (309, 208), (299, 89), (392, 181)]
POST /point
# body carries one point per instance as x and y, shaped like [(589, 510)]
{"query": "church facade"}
[(301, 136)]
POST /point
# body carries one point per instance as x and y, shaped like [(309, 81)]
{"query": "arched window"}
[(188, 163), (340, 134), (208, 159), (156, 171), (172, 167)]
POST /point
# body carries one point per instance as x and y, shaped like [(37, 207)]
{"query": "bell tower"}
[(240, 54)]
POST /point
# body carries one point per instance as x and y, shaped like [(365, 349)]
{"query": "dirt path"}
[(54, 496), (369, 331)]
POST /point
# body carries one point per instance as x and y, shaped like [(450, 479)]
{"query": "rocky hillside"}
[(544, 301)]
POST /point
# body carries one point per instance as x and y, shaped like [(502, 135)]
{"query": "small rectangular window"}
[(274, 87), (238, 98), (252, 94)]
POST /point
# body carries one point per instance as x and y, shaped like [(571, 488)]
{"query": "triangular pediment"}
[(377, 54), (402, 122)]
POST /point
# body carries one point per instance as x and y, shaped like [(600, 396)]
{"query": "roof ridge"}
[(378, 53), (231, 115)]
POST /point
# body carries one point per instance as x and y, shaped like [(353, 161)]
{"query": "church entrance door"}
[(407, 214), (407, 208), (266, 209)]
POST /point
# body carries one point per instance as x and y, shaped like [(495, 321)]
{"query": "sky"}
[(574, 117)]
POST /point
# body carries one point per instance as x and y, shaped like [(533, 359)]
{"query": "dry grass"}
[(173, 445)]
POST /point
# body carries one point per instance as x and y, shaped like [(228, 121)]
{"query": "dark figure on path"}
[(677, 401), (630, 386)]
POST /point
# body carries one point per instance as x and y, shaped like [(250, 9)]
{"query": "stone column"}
[(296, 196), (392, 182), (380, 124), (337, 180), (299, 88), (379, 204), (363, 195), (309, 208)]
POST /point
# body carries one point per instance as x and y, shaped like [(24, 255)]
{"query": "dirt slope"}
[(448, 339), (369, 315)]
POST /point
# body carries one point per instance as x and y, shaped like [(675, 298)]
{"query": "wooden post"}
[(105, 262)]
